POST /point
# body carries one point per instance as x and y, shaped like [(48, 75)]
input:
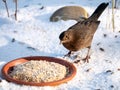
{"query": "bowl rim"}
[(7, 66)]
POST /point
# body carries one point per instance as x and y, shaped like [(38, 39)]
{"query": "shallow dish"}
[(9, 67)]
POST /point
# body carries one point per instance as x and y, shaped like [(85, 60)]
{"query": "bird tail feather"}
[(99, 10)]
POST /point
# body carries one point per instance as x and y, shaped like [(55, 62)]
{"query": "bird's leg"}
[(87, 56), (68, 54)]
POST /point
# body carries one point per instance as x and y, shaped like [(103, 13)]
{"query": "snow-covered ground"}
[(34, 35)]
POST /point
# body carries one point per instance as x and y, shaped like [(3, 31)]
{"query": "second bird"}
[(80, 35)]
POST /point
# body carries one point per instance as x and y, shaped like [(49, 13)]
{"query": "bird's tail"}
[(96, 14)]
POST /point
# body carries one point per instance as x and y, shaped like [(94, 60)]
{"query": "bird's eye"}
[(66, 37)]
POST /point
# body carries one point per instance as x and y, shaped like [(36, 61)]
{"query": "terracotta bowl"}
[(9, 67)]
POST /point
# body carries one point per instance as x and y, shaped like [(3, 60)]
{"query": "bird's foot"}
[(67, 55), (86, 59), (76, 61)]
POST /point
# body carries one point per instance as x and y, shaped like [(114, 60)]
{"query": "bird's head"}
[(65, 36)]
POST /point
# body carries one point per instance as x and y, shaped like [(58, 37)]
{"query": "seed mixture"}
[(39, 71)]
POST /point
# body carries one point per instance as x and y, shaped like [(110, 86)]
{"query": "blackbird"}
[(80, 35)]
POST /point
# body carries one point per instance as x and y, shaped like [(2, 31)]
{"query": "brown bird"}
[(80, 35)]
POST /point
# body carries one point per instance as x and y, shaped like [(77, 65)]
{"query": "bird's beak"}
[(61, 42)]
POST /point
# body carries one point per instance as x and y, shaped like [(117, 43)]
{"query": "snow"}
[(34, 35)]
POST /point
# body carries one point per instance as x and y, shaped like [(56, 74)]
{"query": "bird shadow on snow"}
[(4, 21), (16, 49)]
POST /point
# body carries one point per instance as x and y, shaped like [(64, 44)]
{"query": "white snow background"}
[(34, 35)]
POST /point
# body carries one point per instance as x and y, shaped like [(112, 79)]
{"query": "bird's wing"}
[(84, 30)]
